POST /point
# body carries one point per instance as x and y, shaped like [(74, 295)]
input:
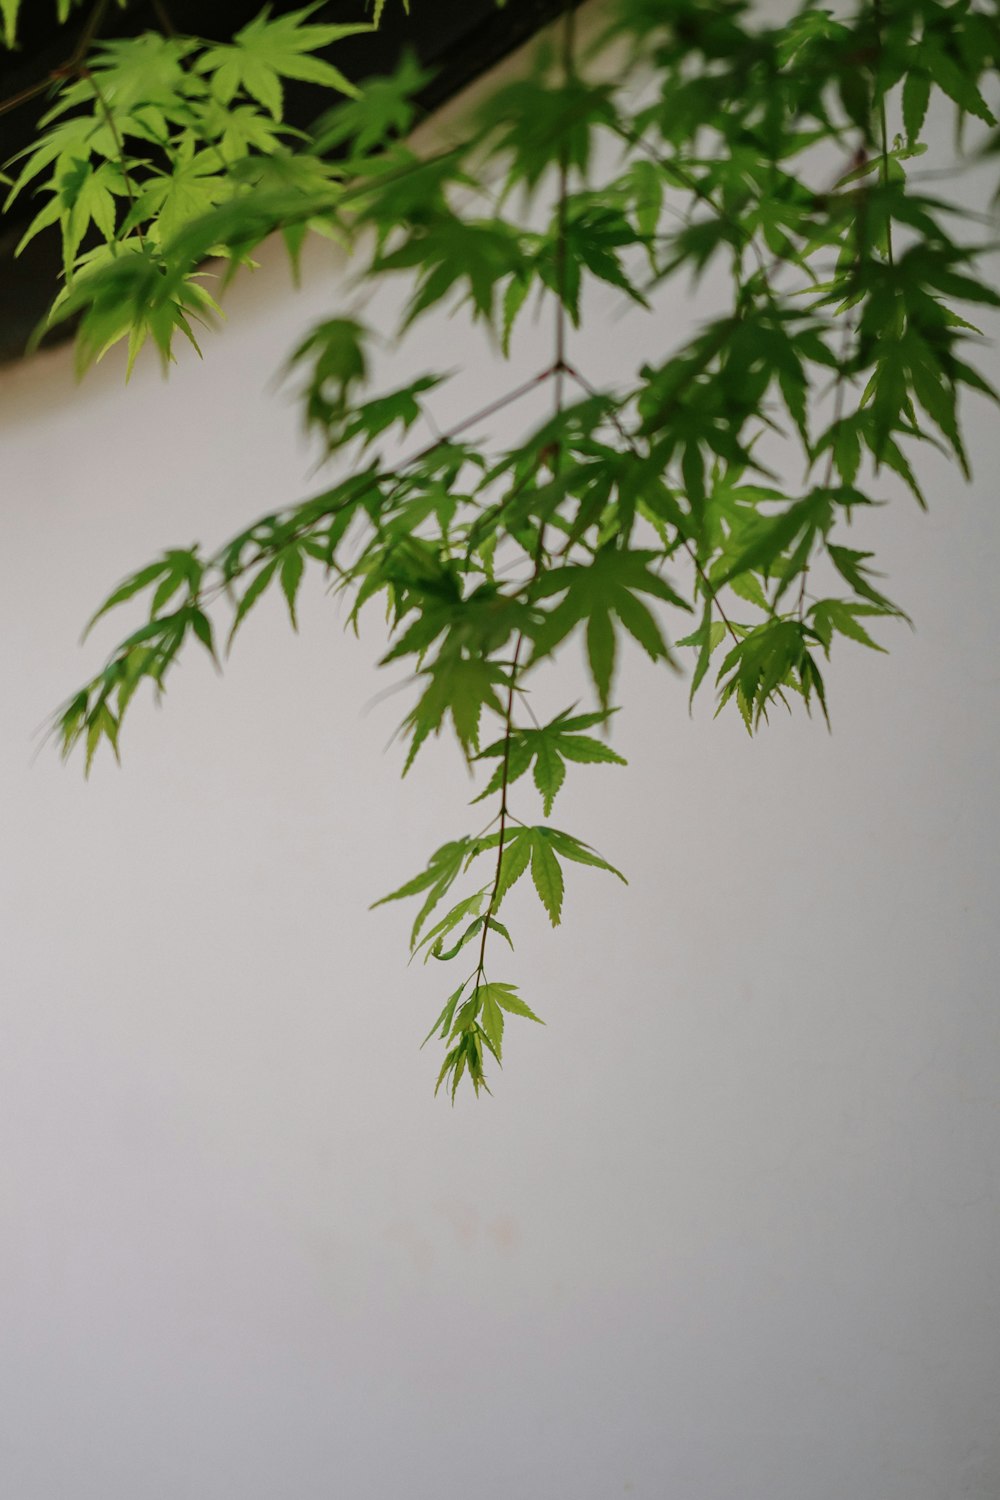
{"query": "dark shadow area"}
[(456, 42)]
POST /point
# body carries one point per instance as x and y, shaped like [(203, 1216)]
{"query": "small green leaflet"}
[(469, 906), (444, 868), (608, 586), (841, 615), (9, 11), (472, 931), (479, 1021), (253, 592), (492, 1018), (709, 635), (179, 568), (494, 1000), (175, 198), (850, 565), (458, 686), (442, 1026), (516, 857), (797, 525), (291, 564), (771, 657), (380, 7), (268, 49), (916, 93), (539, 846), (508, 999), (549, 747)]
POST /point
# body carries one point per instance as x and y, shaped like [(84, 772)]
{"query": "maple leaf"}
[(265, 51), (549, 748), (594, 593), (459, 686)]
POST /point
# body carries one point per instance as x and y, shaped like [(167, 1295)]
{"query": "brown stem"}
[(883, 130), (65, 69), (559, 370), (482, 414), (119, 143), (163, 16), (504, 783)]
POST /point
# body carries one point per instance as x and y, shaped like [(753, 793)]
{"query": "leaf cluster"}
[(655, 511), (147, 137)]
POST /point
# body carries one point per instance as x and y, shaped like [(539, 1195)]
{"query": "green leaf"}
[(9, 11), (513, 301), (949, 76), (383, 114), (601, 653), (772, 537), (291, 564), (582, 854), (492, 1018), (829, 615), (182, 195), (445, 865), (268, 49), (516, 854), (461, 687), (916, 93), (548, 747), (450, 254), (202, 627), (518, 761), (707, 637), (133, 585), (588, 751), (442, 1025), (607, 586), (850, 565), (550, 772), (256, 587), (547, 875), (507, 998), (462, 909), (102, 724)]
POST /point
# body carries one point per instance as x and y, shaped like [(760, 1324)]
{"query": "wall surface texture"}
[(729, 1228)]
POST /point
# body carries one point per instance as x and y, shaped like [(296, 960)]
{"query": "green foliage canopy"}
[(644, 511)]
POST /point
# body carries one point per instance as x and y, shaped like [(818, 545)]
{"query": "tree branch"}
[(67, 69)]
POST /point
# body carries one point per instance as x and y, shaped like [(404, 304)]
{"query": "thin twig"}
[(119, 143), (838, 412), (559, 370), (65, 69), (484, 412), (884, 133), (165, 19), (504, 784)]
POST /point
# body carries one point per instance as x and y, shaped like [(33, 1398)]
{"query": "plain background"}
[(729, 1228)]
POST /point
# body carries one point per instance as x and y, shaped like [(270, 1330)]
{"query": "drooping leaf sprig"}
[(657, 511)]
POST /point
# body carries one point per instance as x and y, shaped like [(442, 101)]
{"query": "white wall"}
[(728, 1229)]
